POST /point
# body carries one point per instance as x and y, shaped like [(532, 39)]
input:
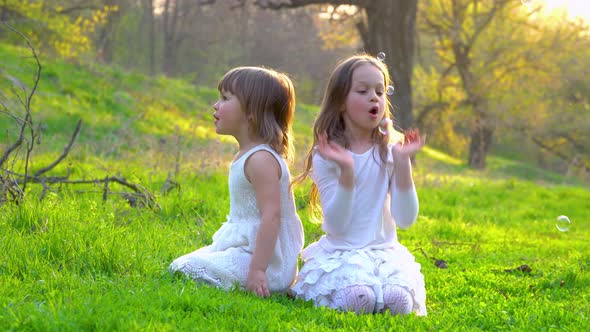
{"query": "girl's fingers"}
[(334, 146), (262, 291)]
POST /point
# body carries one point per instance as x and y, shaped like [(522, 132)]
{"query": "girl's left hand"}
[(257, 283), (414, 143)]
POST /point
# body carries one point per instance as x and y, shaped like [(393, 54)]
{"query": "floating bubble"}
[(381, 56), (390, 90), (384, 126), (563, 223)]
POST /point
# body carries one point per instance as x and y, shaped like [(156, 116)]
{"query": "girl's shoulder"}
[(268, 148), (264, 156), (246, 155)]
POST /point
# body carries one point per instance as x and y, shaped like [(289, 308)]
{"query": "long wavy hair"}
[(268, 99), (330, 119)]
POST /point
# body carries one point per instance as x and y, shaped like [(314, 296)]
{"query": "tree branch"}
[(10, 180), (27, 123), (279, 4), (64, 153)]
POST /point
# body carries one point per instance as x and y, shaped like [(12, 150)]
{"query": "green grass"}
[(75, 262)]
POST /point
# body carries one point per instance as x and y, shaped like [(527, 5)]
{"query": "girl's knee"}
[(397, 300), (359, 299)]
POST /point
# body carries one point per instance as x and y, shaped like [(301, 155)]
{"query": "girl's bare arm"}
[(264, 172)]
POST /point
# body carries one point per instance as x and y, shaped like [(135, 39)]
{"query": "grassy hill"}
[(76, 262)]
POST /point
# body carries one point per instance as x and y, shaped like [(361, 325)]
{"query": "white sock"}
[(397, 300), (360, 299)]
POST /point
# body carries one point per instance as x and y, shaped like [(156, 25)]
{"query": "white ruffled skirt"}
[(325, 272)]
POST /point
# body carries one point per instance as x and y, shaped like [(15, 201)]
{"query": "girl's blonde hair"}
[(268, 99), (330, 119)]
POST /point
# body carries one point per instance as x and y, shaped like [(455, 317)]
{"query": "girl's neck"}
[(359, 144), (245, 145)]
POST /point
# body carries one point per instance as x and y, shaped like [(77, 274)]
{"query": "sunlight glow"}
[(338, 12), (573, 8)]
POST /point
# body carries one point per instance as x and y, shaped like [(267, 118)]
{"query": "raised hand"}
[(412, 143), (334, 151)]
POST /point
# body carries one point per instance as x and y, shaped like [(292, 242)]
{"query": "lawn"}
[(75, 261)]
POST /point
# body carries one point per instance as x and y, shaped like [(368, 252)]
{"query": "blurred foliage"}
[(521, 65), (51, 26), (530, 68)]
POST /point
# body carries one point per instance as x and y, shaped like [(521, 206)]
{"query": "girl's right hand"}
[(257, 283), (335, 152)]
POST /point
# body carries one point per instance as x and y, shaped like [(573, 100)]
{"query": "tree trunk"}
[(3, 190), (390, 28), (483, 128), (170, 35), (105, 42), (2, 19), (149, 14), (481, 137)]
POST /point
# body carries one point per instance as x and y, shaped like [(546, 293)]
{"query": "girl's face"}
[(365, 102), (230, 119)]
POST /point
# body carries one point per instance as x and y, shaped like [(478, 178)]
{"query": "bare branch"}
[(558, 153), (498, 5), (13, 147), (579, 146), (64, 153), (27, 123), (429, 108), (10, 181), (279, 4)]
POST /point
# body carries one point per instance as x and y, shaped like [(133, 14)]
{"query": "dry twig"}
[(13, 184)]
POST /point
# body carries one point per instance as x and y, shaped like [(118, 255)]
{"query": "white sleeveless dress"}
[(225, 263)]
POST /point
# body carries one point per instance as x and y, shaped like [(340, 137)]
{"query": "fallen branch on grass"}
[(13, 184)]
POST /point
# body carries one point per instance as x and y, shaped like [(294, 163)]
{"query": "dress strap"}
[(266, 147)]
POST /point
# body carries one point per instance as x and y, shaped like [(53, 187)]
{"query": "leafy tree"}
[(562, 125), (492, 65), (459, 26), (387, 26), (54, 25)]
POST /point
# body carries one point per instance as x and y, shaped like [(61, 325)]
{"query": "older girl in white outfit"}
[(364, 181)]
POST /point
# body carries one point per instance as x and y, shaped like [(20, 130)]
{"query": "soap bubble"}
[(563, 223), (381, 56), (390, 90), (384, 126)]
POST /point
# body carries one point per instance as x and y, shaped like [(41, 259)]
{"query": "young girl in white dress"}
[(258, 246), (364, 181)]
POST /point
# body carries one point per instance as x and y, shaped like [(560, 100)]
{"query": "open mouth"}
[(374, 110)]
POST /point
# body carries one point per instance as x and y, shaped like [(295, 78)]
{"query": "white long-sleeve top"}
[(367, 215)]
